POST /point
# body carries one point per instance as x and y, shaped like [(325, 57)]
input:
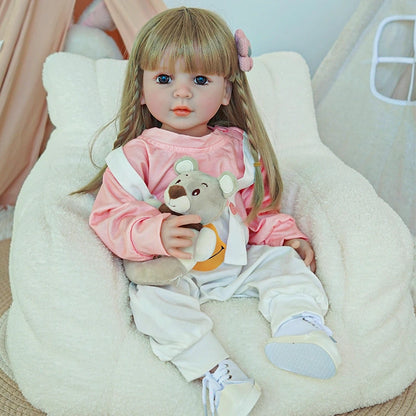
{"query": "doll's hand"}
[(305, 251), (174, 237)]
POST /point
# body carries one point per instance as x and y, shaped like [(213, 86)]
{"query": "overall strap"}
[(248, 177), (127, 177)]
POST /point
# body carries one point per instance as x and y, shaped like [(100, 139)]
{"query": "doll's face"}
[(184, 102)]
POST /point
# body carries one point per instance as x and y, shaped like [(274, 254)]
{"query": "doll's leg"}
[(181, 333), (285, 286), (293, 300)]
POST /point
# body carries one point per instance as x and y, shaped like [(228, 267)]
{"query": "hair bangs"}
[(198, 40)]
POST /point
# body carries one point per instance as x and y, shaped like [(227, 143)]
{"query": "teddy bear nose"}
[(176, 191)]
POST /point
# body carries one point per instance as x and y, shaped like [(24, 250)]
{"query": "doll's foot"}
[(230, 391), (305, 347)]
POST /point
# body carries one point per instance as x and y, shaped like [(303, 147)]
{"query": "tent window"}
[(393, 68)]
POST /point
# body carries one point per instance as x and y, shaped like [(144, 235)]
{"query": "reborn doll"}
[(186, 92)]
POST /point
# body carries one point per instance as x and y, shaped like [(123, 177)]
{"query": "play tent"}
[(29, 32), (365, 97)]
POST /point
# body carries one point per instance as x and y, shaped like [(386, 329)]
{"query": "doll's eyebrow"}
[(203, 183)]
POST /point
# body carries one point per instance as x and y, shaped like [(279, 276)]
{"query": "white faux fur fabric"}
[(70, 340)]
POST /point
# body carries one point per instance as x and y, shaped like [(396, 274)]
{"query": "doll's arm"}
[(274, 229), (128, 227), (177, 239), (305, 251)]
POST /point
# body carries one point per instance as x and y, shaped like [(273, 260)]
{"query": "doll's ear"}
[(228, 184), (142, 99), (185, 164), (228, 89)]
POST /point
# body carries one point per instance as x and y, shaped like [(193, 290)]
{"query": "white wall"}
[(309, 27)]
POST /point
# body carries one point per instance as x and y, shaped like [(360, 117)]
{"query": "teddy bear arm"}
[(205, 244)]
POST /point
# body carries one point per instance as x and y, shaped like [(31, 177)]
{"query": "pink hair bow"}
[(245, 60)]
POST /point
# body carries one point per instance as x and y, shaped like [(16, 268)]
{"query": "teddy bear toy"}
[(191, 192)]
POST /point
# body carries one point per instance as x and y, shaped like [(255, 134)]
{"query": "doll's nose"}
[(182, 91)]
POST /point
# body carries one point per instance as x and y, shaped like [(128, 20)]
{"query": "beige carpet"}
[(12, 402)]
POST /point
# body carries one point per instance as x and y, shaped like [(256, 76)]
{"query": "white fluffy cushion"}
[(71, 343)]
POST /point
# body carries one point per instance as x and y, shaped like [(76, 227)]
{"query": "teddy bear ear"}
[(228, 184), (185, 164)]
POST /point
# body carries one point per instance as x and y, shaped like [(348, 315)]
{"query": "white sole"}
[(308, 355)]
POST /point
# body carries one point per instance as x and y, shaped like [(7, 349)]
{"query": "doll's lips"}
[(182, 111)]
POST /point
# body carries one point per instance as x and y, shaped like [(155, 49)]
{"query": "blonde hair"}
[(205, 44)]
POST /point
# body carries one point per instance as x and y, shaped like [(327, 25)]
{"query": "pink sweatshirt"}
[(131, 228)]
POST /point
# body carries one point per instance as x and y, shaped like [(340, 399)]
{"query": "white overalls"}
[(179, 331)]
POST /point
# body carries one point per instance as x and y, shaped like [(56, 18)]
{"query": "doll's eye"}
[(163, 79), (201, 80), (178, 181), (196, 192)]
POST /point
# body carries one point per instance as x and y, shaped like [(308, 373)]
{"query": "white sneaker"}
[(312, 353), (230, 391)]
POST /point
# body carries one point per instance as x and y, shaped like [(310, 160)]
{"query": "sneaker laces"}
[(317, 322), (214, 383)]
